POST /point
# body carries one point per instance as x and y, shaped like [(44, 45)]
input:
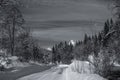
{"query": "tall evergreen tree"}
[(85, 38), (106, 28)]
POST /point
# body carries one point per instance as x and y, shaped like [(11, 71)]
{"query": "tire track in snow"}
[(51, 74)]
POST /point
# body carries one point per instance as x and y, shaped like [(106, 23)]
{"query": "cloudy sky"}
[(52, 21)]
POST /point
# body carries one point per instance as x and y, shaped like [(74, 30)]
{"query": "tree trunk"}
[(13, 38)]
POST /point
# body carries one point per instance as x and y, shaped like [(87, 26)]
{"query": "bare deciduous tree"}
[(12, 20)]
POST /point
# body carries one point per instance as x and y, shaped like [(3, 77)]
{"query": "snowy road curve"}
[(64, 72), (51, 74)]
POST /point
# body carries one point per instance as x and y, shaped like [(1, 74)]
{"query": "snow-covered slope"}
[(68, 75), (13, 61), (72, 42), (49, 49), (80, 70), (82, 67)]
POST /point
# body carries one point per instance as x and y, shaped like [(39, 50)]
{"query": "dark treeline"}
[(104, 47), (91, 45), (63, 52)]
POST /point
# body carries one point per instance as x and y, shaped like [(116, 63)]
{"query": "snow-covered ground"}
[(68, 75), (83, 67), (116, 64), (12, 64), (78, 70)]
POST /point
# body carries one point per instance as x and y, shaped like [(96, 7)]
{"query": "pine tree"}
[(85, 39), (106, 28), (99, 38), (53, 55)]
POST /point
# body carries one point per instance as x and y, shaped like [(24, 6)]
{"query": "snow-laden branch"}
[(108, 34)]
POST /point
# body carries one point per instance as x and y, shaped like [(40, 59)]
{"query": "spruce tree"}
[(85, 38), (106, 28)]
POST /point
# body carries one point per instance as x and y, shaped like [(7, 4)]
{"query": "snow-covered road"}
[(78, 70), (51, 74)]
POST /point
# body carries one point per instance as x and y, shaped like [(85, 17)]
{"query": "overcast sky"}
[(52, 21)]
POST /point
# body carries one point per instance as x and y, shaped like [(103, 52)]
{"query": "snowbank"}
[(9, 62), (14, 62), (80, 70), (62, 66), (116, 64), (68, 75), (81, 67)]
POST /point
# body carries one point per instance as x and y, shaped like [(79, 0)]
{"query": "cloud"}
[(65, 31), (52, 21), (46, 25), (41, 10)]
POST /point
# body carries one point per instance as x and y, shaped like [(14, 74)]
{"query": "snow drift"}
[(80, 70), (82, 67), (13, 61)]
